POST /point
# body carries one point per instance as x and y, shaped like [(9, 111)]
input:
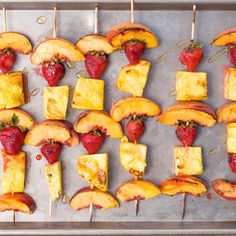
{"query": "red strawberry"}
[(7, 60), (134, 49), (92, 141), (53, 72), (51, 151), (12, 139), (95, 63), (232, 55), (232, 161), (191, 56), (186, 133), (135, 129)]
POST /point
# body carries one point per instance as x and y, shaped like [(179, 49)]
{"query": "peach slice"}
[(17, 202), (188, 111), (98, 120), (101, 200), (94, 42), (224, 189), (16, 42), (227, 113), (134, 106), (127, 31), (225, 38), (51, 130), (183, 184), (137, 190), (25, 120), (58, 48)]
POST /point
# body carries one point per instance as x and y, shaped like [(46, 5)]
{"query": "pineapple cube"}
[(55, 102), (89, 94), (54, 179), (11, 90), (13, 177), (132, 78), (231, 137), (191, 86), (230, 84), (133, 157), (188, 160), (94, 169)]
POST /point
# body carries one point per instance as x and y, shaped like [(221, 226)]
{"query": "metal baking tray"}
[(171, 22)]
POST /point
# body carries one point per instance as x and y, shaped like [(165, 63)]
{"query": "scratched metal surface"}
[(170, 27)]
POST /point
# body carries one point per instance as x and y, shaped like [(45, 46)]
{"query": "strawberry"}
[(53, 72), (134, 49), (232, 55), (232, 161), (95, 63), (186, 132), (51, 151), (135, 129), (191, 56), (7, 60), (92, 141)]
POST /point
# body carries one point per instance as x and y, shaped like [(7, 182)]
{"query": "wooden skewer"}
[(96, 20), (50, 209), (132, 11), (91, 208), (136, 203), (4, 19), (193, 23), (55, 22), (14, 217), (183, 206)]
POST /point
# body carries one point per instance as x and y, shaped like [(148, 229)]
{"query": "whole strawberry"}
[(134, 49), (232, 55), (7, 60), (53, 72), (186, 133), (191, 56), (135, 129), (95, 63), (92, 141), (232, 161), (51, 151)]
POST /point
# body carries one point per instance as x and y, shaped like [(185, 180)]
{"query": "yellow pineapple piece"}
[(11, 90), (188, 160), (133, 157), (55, 102), (191, 86), (54, 179), (231, 137), (132, 78), (94, 169), (230, 84), (13, 176), (89, 94)]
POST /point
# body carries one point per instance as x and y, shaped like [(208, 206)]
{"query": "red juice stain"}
[(38, 71), (39, 157), (209, 196)]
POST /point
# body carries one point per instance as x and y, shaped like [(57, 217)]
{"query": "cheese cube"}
[(11, 90), (94, 169), (230, 84), (191, 86), (132, 78), (188, 160), (13, 176), (133, 157), (231, 137), (89, 94), (54, 180), (55, 102)]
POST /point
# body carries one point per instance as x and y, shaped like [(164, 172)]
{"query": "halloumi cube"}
[(230, 84), (231, 137)]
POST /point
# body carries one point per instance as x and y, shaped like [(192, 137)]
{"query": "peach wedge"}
[(58, 48), (134, 106), (98, 119), (188, 111), (137, 190), (100, 200), (121, 33), (16, 42), (225, 38), (183, 184), (227, 113)]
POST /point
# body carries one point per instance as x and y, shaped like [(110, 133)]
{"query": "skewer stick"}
[(132, 11), (55, 22), (4, 19), (183, 206), (96, 20), (50, 209), (136, 203), (91, 208), (14, 217), (193, 23)]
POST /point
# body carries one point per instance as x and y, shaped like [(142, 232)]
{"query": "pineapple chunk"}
[(132, 78), (11, 90), (191, 86), (55, 102), (133, 157), (89, 94), (54, 180), (94, 169), (231, 137), (188, 160), (230, 84), (13, 177)]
